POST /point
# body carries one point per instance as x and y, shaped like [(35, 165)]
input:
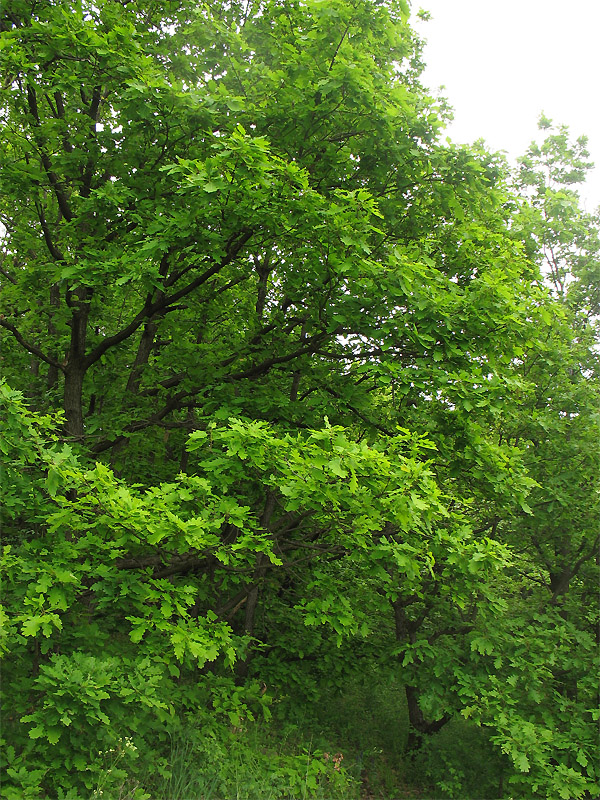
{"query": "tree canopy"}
[(295, 390)]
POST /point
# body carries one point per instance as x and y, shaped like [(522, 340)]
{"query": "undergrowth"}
[(347, 747)]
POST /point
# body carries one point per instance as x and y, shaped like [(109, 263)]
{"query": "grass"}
[(347, 747), (259, 761)]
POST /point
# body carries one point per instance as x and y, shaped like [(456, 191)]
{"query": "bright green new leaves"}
[(107, 575), (540, 701)]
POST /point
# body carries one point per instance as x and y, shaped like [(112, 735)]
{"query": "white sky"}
[(503, 63)]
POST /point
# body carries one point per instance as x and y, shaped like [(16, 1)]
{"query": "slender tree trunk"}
[(133, 383), (263, 269), (260, 571), (297, 375), (142, 356), (242, 667), (295, 386), (52, 378), (32, 393), (252, 601)]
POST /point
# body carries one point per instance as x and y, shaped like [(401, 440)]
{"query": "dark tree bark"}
[(79, 302), (142, 356), (52, 378), (73, 403), (419, 726)]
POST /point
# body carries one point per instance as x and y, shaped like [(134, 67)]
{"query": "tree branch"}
[(54, 251), (31, 348), (161, 306), (61, 197)]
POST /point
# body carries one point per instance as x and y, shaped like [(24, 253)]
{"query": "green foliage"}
[(250, 762), (297, 394)]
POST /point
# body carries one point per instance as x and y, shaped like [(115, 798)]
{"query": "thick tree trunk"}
[(75, 370), (73, 401), (414, 743), (419, 726), (78, 300)]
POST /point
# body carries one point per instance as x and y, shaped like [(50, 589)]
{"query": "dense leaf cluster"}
[(294, 392)]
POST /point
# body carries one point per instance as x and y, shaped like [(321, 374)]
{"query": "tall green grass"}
[(349, 746), (259, 761)]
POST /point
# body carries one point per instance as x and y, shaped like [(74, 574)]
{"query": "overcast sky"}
[(503, 63)]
